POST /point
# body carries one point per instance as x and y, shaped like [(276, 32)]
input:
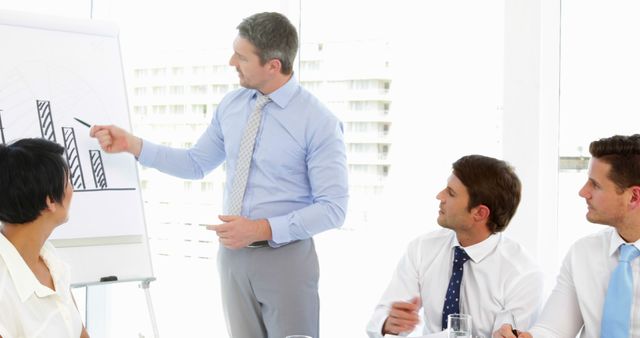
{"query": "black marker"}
[(108, 278), (85, 123)]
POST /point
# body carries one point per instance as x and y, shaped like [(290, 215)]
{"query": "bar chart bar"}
[(73, 158), (46, 120), (99, 176)]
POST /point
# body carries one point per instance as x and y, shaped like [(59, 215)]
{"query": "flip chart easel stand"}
[(96, 303)]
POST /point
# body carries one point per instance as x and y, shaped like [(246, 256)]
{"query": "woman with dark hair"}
[(35, 195)]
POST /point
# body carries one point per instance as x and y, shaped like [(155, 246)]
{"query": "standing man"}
[(597, 289), (286, 181), (469, 267)]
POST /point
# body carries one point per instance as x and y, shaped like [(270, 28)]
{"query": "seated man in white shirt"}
[(492, 274), (597, 288), (35, 297)]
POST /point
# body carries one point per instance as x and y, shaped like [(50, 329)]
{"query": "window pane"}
[(417, 85), (598, 95)]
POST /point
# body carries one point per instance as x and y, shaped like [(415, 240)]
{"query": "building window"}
[(199, 108), (176, 90), (159, 109), (140, 73), (157, 71), (200, 89), (198, 70), (177, 71), (176, 109), (159, 90), (219, 89), (139, 91)]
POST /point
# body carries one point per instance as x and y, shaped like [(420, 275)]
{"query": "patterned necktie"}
[(617, 305), (452, 299), (245, 153)]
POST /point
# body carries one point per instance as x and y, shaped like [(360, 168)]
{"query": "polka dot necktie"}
[(452, 299), (245, 154)]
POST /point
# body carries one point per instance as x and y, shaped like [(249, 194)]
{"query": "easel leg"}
[(96, 317), (152, 316)]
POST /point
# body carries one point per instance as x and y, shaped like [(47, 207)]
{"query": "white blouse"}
[(29, 309)]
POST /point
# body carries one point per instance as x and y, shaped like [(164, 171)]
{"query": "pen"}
[(85, 123)]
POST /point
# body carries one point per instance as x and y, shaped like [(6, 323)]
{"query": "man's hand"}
[(506, 331), (114, 139), (403, 317), (238, 232)]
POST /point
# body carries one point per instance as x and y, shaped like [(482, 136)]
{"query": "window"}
[(158, 72), (362, 84), (139, 91), (140, 73), (177, 71), (200, 89), (158, 90), (206, 186), (159, 109), (142, 110), (199, 108), (313, 65), (199, 70), (176, 109), (176, 90), (603, 106), (219, 88), (312, 86)]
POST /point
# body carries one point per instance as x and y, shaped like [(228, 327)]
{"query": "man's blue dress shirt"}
[(298, 175)]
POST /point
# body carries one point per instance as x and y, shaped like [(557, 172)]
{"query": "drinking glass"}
[(298, 336), (459, 326)]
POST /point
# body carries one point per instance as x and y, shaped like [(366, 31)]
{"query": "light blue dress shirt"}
[(298, 175)]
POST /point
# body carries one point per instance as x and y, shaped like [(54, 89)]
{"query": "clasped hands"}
[(238, 231)]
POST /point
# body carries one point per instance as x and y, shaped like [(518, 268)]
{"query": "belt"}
[(258, 244)]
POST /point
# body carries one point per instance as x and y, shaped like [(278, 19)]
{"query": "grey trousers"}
[(270, 293)]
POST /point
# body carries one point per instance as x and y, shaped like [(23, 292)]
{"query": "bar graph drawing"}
[(73, 158), (46, 120), (52, 72), (99, 176), (73, 152)]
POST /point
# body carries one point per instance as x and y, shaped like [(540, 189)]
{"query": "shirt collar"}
[(616, 241), (479, 251), (23, 278), (284, 94)]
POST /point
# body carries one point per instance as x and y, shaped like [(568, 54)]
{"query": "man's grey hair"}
[(273, 36)]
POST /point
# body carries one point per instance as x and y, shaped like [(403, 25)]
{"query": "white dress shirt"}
[(578, 297), (500, 278), (28, 308)]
